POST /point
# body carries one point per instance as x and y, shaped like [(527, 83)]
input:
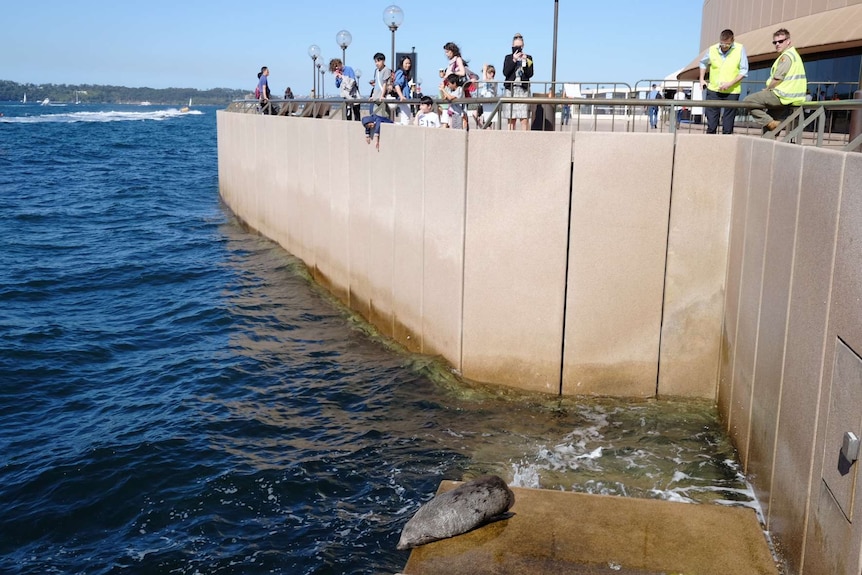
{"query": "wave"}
[(99, 117)]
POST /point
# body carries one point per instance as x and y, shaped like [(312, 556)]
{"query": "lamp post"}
[(322, 72), (344, 39), (393, 16), (554, 55), (314, 54)]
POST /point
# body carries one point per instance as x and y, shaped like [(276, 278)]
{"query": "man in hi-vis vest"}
[(727, 63), (787, 84)]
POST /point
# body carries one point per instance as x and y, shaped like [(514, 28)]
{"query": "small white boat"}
[(24, 101), (145, 103), (46, 101)]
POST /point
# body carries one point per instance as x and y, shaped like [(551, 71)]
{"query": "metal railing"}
[(811, 123)]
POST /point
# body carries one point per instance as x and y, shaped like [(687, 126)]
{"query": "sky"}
[(219, 44)]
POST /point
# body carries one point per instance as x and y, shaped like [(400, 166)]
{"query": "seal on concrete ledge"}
[(466, 507)]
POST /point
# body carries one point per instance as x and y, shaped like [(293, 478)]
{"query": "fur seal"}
[(466, 507)]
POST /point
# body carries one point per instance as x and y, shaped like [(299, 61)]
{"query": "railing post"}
[(856, 121)]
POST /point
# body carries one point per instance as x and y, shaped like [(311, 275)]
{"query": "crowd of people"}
[(394, 94), (457, 82), (722, 67)]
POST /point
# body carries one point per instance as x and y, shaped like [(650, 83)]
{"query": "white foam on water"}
[(100, 117)]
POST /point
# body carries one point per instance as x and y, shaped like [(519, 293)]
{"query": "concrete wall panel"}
[(406, 145), (515, 258), (772, 322), (302, 220), (612, 322), (381, 228), (361, 161), (332, 269), (735, 259), (445, 185), (696, 262), (751, 282), (287, 163), (803, 359)]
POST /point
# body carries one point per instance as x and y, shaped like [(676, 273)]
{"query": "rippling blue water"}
[(176, 397)]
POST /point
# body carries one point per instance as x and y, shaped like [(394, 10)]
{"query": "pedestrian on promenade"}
[(453, 91), (517, 71), (787, 84), (487, 89), (443, 108), (403, 87), (455, 66), (262, 91), (654, 94), (345, 81), (679, 96), (727, 63), (381, 85)]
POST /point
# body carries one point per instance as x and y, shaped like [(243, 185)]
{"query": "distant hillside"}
[(89, 93)]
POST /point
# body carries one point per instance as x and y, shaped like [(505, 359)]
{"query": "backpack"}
[(257, 92)]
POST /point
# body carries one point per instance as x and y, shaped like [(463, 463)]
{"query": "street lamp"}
[(344, 39), (554, 58), (314, 54), (393, 16), (322, 72)]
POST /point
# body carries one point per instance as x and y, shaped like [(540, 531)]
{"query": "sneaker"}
[(772, 125)]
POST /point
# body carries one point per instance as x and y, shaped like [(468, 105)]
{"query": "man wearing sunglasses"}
[(728, 65), (787, 84)]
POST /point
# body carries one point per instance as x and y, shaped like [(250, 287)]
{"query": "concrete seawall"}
[(534, 260), (634, 265)]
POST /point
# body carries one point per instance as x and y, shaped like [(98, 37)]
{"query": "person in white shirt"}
[(425, 117), (680, 95)]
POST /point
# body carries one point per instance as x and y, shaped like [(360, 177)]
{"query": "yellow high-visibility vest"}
[(794, 87), (724, 68)]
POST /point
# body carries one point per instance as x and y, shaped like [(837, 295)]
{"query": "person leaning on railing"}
[(787, 84)]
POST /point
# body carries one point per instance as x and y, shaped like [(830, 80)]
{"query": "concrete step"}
[(576, 533)]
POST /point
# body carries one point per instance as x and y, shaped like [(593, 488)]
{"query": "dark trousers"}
[(353, 112), (728, 115)]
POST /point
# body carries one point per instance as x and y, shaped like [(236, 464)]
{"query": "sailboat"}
[(46, 101), (24, 101), (185, 109)]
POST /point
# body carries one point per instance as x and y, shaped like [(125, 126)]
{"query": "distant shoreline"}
[(106, 94)]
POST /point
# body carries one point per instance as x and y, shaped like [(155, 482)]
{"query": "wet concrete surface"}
[(576, 533)]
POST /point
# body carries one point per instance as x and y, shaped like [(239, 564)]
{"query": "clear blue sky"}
[(218, 44)]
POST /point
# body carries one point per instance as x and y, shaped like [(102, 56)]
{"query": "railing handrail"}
[(560, 100), (811, 116)]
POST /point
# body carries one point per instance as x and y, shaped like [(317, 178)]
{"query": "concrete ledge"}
[(563, 532)]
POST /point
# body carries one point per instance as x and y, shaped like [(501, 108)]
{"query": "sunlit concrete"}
[(576, 533)]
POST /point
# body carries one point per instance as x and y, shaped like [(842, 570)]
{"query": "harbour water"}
[(177, 397)]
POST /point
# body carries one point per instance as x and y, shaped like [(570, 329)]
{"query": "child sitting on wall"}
[(372, 128)]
